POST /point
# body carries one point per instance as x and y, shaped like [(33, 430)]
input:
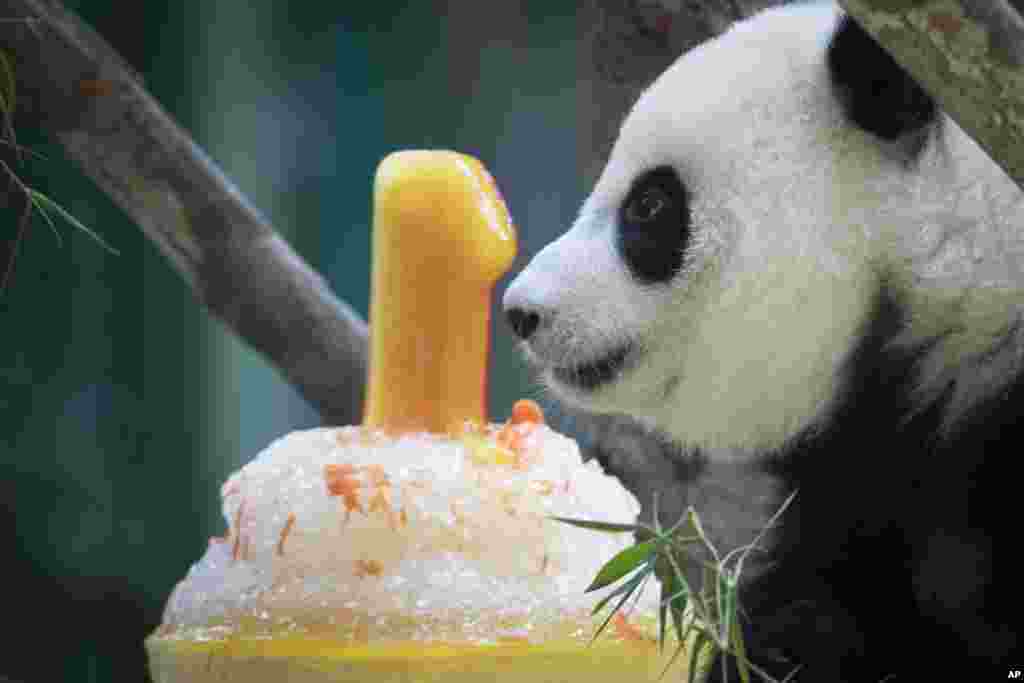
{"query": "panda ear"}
[(874, 91)]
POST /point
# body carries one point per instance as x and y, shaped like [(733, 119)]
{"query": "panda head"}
[(758, 197)]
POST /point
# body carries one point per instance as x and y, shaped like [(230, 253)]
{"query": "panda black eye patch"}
[(654, 225)]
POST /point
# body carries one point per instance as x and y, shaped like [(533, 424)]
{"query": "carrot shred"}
[(526, 411), (626, 630), (341, 481), (238, 530), (284, 533)]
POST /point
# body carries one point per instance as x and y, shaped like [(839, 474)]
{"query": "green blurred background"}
[(124, 404)]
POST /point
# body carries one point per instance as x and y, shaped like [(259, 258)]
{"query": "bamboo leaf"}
[(708, 593), (692, 626), (31, 198), (621, 564), (683, 541), (677, 605), (667, 588), (608, 527), (753, 545), (672, 660), (698, 529), (736, 640), (637, 579), (726, 597), (698, 644), (699, 610), (675, 592), (628, 586), (45, 204), (677, 527)]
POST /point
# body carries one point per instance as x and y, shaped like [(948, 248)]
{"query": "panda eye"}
[(646, 207), (653, 229)]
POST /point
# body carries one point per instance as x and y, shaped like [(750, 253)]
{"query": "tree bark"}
[(969, 55)]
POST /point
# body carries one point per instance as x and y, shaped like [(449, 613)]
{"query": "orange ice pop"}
[(442, 238)]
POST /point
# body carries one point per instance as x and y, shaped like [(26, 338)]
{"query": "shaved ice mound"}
[(361, 538)]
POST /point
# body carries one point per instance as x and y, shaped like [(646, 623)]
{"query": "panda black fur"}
[(793, 259)]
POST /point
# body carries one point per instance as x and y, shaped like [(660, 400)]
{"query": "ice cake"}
[(420, 545)]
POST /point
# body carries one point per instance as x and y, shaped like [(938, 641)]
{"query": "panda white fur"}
[(793, 259)]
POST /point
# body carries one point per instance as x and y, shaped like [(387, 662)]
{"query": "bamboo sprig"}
[(705, 622), (35, 200)]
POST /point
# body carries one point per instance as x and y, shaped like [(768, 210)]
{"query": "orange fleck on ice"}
[(381, 500), (364, 568), (509, 437), (238, 530), (341, 481), (515, 436), (339, 478), (626, 630), (284, 533), (527, 411)]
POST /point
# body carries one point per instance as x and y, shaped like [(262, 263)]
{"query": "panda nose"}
[(524, 322)]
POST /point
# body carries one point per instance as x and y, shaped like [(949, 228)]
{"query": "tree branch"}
[(77, 87), (969, 54)]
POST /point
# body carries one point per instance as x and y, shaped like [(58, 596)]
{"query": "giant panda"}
[(794, 260)]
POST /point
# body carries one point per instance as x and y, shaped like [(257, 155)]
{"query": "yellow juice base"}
[(299, 659)]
